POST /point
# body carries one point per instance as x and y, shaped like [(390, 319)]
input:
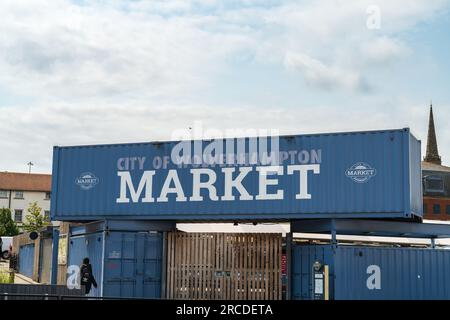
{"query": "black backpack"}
[(85, 274)]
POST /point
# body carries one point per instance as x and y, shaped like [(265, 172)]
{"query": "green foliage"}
[(34, 219), (6, 277), (8, 227)]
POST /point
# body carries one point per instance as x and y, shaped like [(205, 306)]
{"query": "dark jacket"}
[(87, 278)]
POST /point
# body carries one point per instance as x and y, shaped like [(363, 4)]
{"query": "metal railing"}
[(29, 296), (37, 292), (46, 297)]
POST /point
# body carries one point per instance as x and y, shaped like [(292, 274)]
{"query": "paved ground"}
[(18, 278), (4, 265), (21, 279)]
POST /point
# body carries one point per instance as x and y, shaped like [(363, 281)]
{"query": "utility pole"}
[(30, 164)]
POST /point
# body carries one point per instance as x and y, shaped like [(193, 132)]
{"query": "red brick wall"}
[(430, 202)]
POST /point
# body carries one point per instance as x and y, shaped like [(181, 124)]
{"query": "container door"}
[(133, 265), (77, 251), (140, 242), (120, 265), (152, 263), (26, 260), (89, 246), (95, 255)]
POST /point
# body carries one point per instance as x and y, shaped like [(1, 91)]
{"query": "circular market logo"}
[(361, 172), (87, 180)]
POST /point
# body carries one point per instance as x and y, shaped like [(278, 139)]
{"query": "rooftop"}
[(25, 181), (372, 228), (434, 167)]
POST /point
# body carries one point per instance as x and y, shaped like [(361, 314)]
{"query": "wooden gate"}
[(230, 266)]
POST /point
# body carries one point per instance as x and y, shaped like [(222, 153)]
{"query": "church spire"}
[(432, 148)]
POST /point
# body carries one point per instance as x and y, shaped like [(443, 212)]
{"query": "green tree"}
[(34, 219), (8, 227)]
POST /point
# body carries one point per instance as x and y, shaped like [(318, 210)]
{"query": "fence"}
[(37, 292), (224, 266)]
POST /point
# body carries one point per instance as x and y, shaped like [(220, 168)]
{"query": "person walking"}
[(86, 276)]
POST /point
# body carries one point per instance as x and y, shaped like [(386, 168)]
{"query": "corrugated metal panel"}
[(394, 155), (90, 246), (120, 265), (415, 175), (374, 273), (133, 265), (26, 260), (303, 258), (405, 273), (152, 265)]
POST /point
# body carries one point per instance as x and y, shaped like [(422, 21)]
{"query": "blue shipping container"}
[(124, 263), (26, 260), (373, 273), (372, 174), (90, 246)]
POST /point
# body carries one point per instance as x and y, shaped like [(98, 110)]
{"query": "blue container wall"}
[(26, 260), (133, 265), (303, 258), (394, 191), (90, 246), (415, 174), (125, 264), (403, 273)]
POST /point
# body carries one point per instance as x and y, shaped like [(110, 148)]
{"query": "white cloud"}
[(119, 71), (383, 50), (326, 77), (35, 130), (66, 51), (56, 49), (332, 38)]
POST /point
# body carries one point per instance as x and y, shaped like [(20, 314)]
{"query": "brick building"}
[(435, 178)]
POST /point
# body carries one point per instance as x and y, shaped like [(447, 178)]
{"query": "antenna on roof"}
[(30, 164)]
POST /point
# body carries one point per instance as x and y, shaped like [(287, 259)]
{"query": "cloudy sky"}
[(84, 72)]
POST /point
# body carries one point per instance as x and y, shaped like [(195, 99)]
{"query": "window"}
[(47, 215), (437, 208), (47, 196), (425, 208), (3, 194), (19, 195), (434, 184), (447, 209), (18, 215)]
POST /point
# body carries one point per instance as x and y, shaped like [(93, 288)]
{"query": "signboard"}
[(62, 250), (283, 264), (333, 175)]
